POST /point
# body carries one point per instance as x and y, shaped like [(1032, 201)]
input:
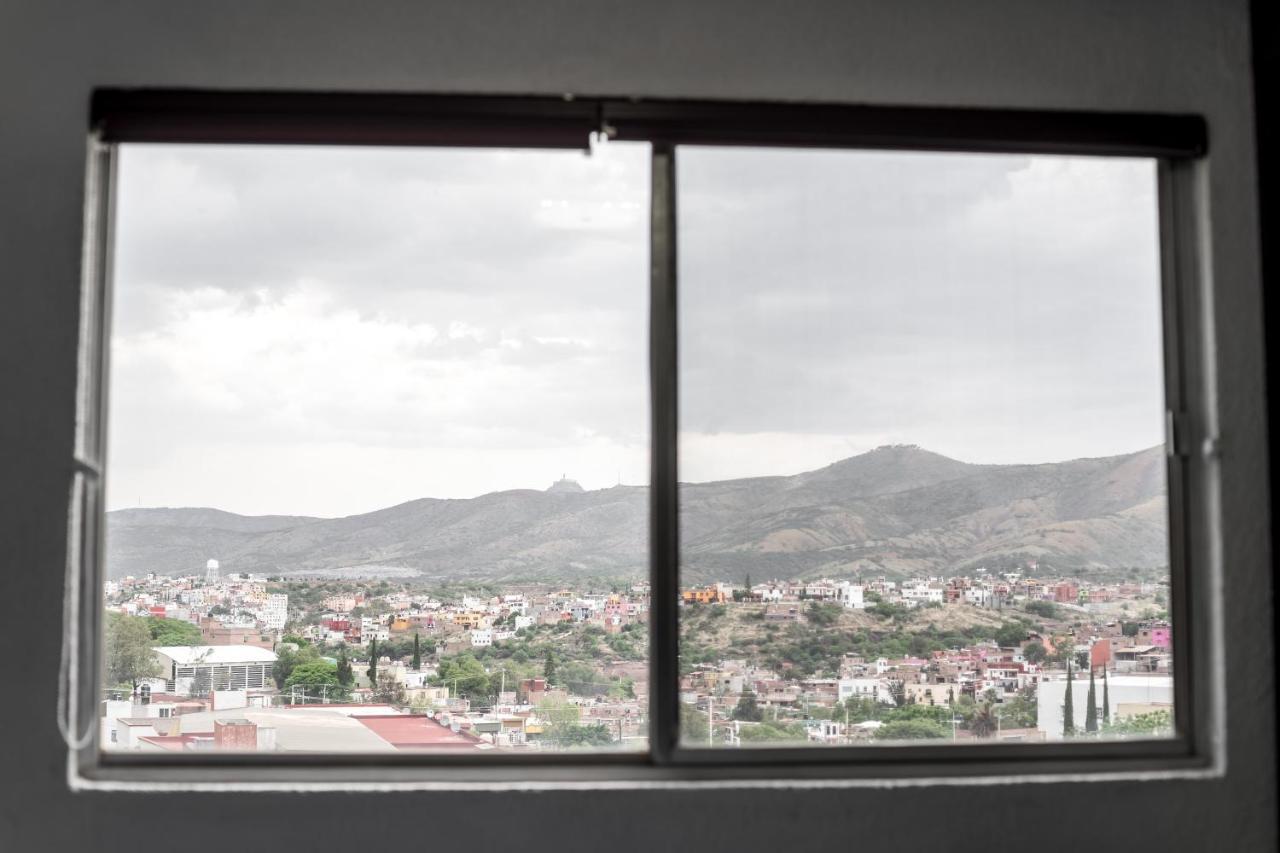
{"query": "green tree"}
[(1011, 634), (984, 721), (571, 735), (372, 671), (771, 732), (1044, 609), (316, 679), (1091, 707), (345, 676), (748, 708), (1106, 699), (693, 724), (465, 676), (549, 669), (173, 632), (1151, 724), (1034, 652), (129, 658), (287, 659), (1068, 708), (910, 730), (416, 662), (1129, 629)]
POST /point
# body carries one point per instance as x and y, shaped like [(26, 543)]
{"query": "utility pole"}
[(711, 722)]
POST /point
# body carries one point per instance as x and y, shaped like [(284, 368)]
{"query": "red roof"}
[(416, 731)]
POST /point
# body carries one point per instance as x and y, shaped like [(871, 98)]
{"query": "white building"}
[(481, 637), (1138, 693), (863, 688), (851, 595), (274, 612), (192, 670)]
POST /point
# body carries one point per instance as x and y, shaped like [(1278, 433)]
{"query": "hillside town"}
[(259, 663)]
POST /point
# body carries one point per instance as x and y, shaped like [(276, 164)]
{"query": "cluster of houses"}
[(472, 621), (1006, 589), (228, 677), (234, 610)]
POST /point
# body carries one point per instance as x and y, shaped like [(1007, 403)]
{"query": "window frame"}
[(1178, 142)]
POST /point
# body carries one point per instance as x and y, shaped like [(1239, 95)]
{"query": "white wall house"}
[(851, 596), (1137, 692)]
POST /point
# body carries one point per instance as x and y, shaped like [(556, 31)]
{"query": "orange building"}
[(706, 595)]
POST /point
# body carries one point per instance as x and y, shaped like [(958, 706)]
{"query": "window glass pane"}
[(921, 442), (378, 455)]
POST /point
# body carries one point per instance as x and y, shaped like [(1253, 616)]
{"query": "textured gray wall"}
[(1174, 55)]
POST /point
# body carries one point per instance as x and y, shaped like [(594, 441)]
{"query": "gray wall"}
[(1174, 55)]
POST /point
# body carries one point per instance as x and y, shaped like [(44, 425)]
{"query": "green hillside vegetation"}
[(816, 646)]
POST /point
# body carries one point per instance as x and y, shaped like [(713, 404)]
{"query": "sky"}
[(327, 331)]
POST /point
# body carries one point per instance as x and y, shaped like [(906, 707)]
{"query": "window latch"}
[(1175, 433)]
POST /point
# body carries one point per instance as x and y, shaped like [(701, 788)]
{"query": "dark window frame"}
[(1180, 144)]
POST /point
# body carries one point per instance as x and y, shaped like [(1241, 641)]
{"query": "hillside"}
[(896, 510)]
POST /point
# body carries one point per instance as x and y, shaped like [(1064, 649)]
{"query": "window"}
[(922, 405), (1007, 287)]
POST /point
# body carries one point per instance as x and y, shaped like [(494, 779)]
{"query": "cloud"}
[(328, 330)]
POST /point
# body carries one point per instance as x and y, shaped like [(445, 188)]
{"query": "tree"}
[(287, 659), (173, 632), (1011, 634), (345, 676), (1034, 653), (1045, 609), (1091, 707), (466, 676), (693, 725), (372, 671), (128, 650), (1151, 724), (910, 730), (389, 690), (1068, 709), (315, 679), (1106, 699), (570, 735), (748, 708), (984, 722), (415, 663), (898, 690), (549, 669)]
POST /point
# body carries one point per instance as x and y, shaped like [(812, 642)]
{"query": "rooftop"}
[(238, 653)]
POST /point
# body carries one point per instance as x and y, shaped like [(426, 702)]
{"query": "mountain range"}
[(897, 510)]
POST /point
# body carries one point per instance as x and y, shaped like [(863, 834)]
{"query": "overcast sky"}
[(330, 331)]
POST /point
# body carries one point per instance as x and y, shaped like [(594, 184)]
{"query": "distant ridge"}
[(896, 510)]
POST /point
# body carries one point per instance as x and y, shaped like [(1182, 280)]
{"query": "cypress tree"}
[(549, 669), (1091, 708), (416, 662), (1068, 709), (344, 668), (372, 671), (1106, 699)]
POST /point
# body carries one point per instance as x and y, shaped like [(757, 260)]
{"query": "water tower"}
[(211, 573)]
